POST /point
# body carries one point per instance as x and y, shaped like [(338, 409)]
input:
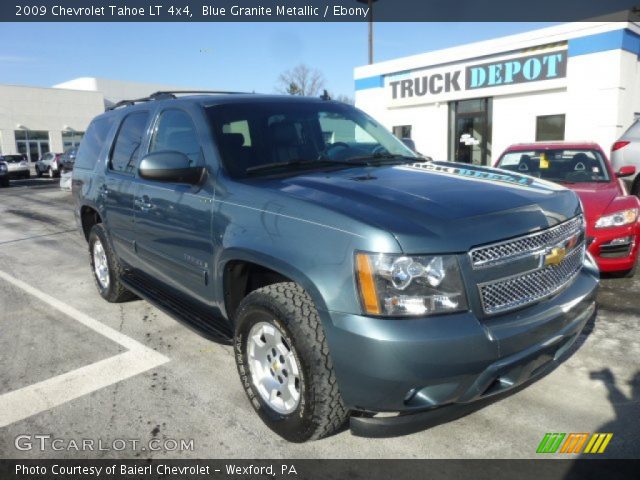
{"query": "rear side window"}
[(126, 149), (93, 142), (634, 130)]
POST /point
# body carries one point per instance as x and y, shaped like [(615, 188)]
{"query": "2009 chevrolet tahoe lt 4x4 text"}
[(353, 276)]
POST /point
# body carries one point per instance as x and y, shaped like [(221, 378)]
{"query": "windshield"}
[(560, 165), (260, 138)]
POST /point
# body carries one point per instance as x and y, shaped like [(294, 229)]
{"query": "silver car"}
[(17, 166), (49, 163), (626, 151)]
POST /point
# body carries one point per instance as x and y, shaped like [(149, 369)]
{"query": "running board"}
[(202, 322)]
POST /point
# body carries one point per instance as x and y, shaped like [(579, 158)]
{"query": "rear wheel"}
[(4, 182), (38, 172), (284, 363), (107, 270)]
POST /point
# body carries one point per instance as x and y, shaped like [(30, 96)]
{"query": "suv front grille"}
[(520, 290), (509, 250)]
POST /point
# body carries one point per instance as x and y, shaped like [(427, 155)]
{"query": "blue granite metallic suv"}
[(354, 278)]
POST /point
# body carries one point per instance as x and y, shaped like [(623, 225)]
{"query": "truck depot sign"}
[(519, 70)]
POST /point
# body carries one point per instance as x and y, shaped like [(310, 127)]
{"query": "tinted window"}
[(634, 130), (92, 142), (175, 131), (127, 145)]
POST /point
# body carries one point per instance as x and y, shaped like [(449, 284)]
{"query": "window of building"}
[(127, 147), (32, 143), (71, 139), (550, 128), (402, 131)]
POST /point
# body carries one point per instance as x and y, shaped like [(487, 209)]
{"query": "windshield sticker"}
[(472, 173)]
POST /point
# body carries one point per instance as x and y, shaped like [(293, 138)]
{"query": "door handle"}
[(103, 191)]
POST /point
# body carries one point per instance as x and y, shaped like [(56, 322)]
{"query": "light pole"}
[(370, 20)]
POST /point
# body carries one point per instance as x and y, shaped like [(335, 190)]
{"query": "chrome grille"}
[(502, 252), (521, 290)]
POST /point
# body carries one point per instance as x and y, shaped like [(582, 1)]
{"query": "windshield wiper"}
[(377, 158), (297, 163)]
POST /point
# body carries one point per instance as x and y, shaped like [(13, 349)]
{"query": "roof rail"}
[(168, 94)]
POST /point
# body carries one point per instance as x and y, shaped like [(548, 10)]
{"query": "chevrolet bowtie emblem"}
[(555, 256)]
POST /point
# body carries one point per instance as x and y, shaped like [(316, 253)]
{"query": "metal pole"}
[(370, 32)]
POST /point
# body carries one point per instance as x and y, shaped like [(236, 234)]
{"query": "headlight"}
[(399, 285), (3, 167), (618, 219)]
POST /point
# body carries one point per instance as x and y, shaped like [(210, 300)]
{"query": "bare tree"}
[(301, 80), (344, 99)]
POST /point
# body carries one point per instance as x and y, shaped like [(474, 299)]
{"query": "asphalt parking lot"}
[(77, 368)]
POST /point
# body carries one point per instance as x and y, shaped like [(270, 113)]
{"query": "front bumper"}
[(412, 365), (610, 257)]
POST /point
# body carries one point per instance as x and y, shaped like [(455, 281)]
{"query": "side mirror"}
[(626, 171), (169, 166), (409, 144)]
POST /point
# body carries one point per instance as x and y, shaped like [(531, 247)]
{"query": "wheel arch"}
[(89, 217), (236, 267)]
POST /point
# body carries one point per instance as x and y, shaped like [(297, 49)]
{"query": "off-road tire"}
[(116, 292), (321, 411)]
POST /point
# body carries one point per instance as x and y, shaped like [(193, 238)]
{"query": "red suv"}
[(613, 229)]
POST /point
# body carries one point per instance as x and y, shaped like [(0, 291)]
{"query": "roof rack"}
[(168, 94)]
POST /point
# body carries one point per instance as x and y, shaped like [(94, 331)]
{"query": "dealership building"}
[(35, 120), (575, 81)]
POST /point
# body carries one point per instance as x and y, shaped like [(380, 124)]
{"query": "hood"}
[(595, 197), (436, 207)]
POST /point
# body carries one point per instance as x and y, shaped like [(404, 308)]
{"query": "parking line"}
[(39, 397)]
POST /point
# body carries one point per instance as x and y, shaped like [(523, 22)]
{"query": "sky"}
[(225, 56)]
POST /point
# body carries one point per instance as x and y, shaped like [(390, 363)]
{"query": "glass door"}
[(470, 131)]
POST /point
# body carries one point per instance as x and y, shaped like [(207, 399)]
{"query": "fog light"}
[(621, 241)]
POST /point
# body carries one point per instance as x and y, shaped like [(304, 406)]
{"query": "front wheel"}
[(284, 363)]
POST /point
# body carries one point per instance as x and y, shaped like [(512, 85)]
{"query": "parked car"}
[(49, 163), (613, 230), (67, 160), (351, 276), (17, 165), (626, 152), (4, 174)]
